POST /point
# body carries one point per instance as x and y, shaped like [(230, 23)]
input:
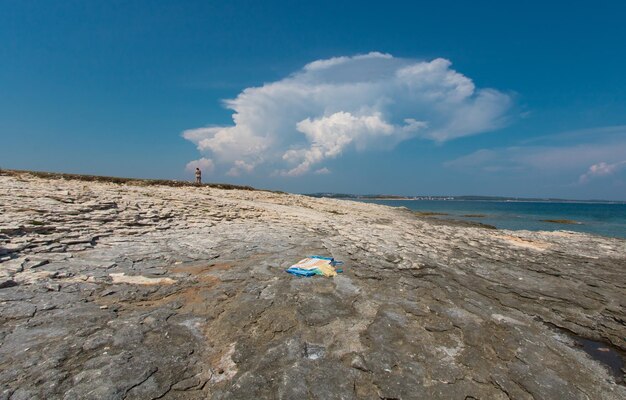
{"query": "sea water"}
[(606, 219)]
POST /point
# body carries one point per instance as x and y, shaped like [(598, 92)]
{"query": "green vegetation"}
[(123, 181)]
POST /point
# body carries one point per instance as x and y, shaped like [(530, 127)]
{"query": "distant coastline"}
[(459, 198)]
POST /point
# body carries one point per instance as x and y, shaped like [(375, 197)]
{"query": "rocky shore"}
[(128, 291)]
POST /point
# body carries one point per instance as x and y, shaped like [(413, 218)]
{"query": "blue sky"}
[(481, 97)]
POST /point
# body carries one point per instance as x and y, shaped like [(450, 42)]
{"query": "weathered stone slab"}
[(111, 291)]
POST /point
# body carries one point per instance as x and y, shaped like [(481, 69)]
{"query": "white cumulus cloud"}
[(205, 165), (341, 104), (601, 169)]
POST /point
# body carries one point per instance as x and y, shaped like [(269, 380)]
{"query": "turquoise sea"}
[(606, 219)]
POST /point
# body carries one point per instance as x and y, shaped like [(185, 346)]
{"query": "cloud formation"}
[(595, 153), (331, 106), (567, 158), (601, 169), (206, 165)]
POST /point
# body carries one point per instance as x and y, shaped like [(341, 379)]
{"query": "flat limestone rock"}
[(140, 280), (111, 291)]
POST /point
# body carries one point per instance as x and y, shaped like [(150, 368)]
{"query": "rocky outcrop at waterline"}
[(112, 291)]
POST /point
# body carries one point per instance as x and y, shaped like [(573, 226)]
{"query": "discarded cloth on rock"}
[(315, 265)]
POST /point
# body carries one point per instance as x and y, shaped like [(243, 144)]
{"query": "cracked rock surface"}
[(114, 291)]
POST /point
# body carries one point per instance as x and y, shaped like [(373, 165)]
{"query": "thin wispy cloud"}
[(374, 101), (577, 156), (322, 171), (603, 133)]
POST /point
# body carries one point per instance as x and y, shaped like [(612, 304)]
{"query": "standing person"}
[(198, 176)]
